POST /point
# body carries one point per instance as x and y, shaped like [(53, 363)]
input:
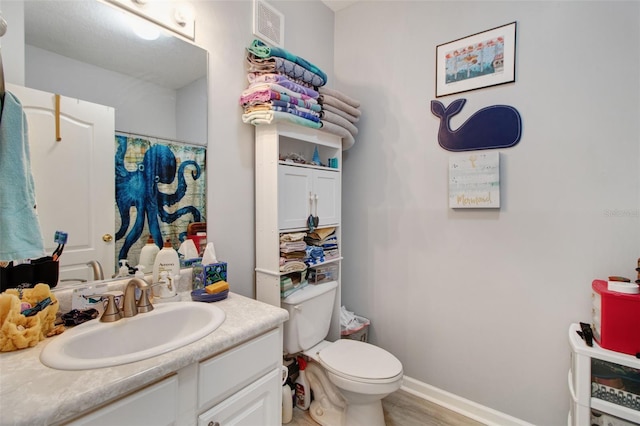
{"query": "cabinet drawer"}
[(225, 374), (155, 405)]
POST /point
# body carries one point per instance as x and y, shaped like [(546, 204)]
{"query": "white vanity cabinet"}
[(241, 386), (584, 393), (287, 193)]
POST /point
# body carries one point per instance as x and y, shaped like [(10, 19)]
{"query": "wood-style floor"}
[(403, 409)]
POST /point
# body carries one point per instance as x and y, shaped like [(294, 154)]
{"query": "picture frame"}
[(480, 60)]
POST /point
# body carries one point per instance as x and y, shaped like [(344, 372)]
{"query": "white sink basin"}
[(96, 344)]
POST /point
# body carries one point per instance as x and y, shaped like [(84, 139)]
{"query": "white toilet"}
[(349, 378)]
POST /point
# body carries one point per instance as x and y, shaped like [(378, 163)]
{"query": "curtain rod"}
[(161, 138)]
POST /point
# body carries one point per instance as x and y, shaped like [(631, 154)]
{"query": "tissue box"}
[(215, 272), (202, 276)]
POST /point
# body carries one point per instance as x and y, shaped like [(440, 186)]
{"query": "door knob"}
[(107, 238)]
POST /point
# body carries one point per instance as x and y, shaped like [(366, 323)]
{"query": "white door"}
[(260, 403), (74, 178)]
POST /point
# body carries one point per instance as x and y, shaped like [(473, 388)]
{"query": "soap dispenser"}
[(166, 287), (124, 268), (140, 274)]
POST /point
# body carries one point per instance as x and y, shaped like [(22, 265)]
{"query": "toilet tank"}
[(310, 311)]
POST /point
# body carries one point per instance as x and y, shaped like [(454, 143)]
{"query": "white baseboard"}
[(475, 411)]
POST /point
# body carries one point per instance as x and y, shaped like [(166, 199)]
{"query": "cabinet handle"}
[(213, 424)]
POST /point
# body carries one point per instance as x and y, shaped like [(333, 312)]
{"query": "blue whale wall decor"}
[(497, 126)]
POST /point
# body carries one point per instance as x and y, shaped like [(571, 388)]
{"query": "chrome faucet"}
[(130, 306), (97, 269)]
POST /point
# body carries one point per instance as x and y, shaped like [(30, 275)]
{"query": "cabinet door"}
[(326, 192), (260, 403), (294, 192)]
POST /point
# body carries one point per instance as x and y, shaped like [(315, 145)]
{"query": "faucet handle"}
[(111, 311), (143, 304)]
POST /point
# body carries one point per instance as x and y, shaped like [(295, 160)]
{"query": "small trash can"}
[(353, 327)]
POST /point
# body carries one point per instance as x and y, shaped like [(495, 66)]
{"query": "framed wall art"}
[(474, 181), (480, 60)]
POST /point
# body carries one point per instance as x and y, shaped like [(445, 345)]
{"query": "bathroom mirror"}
[(88, 50)]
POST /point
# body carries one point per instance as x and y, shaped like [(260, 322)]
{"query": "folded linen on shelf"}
[(259, 87), (293, 266), (330, 100), (270, 117), (282, 81), (268, 95), (293, 236), (336, 119), (283, 66), (293, 255), (262, 50), (339, 95), (291, 246), (347, 137), (285, 104), (341, 113), (321, 233), (270, 107)]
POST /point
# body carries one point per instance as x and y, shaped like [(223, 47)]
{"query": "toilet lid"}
[(359, 360)]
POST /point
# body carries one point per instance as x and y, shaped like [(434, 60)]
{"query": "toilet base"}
[(355, 415), (325, 414), (370, 414)]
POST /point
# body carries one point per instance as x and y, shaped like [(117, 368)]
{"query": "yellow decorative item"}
[(18, 331), (216, 288)]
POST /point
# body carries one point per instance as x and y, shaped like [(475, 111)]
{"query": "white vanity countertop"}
[(31, 393)]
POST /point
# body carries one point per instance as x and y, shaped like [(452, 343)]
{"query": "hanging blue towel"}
[(20, 234)]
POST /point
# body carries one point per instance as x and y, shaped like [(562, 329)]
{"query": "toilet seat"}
[(360, 362)]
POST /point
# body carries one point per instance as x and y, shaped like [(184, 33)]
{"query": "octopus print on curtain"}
[(160, 189)]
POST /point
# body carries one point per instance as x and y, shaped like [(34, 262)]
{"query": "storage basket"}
[(361, 333)]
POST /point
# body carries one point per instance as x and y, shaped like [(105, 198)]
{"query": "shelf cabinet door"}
[(301, 190), (326, 188)]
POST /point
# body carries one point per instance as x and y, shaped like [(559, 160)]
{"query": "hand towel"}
[(20, 234)]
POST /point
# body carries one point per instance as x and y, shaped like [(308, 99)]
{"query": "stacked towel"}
[(325, 239), (293, 252), (284, 87), (339, 114)]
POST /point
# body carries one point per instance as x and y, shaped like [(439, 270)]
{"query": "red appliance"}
[(616, 319)]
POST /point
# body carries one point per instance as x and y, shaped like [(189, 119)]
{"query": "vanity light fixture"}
[(144, 29), (176, 16)]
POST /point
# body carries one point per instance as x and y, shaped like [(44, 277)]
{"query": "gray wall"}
[(478, 302)]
